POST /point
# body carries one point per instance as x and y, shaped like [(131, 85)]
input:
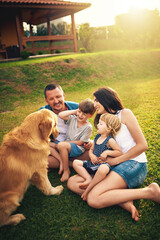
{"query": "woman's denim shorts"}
[(133, 172)]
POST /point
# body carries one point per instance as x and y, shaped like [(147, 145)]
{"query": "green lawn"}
[(136, 77)]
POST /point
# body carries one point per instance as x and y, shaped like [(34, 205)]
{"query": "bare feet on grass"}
[(60, 169), (134, 213), (65, 175), (154, 192)]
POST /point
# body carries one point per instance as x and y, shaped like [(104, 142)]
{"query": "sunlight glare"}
[(139, 4)]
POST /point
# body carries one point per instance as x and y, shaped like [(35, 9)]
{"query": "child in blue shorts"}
[(104, 145), (78, 133)]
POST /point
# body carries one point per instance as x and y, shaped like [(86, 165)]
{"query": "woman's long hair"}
[(109, 100)]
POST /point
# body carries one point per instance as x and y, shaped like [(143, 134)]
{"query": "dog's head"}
[(48, 124), (42, 123)]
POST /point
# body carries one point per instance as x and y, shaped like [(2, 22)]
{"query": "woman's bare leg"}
[(99, 197), (74, 183)]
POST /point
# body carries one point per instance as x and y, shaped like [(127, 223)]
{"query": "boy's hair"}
[(112, 122), (50, 87), (87, 106)]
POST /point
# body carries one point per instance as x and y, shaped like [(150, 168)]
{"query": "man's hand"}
[(87, 145)]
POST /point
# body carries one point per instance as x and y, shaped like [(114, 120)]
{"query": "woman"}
[(128, 170)]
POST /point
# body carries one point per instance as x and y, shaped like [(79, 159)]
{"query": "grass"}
[(136, 77)]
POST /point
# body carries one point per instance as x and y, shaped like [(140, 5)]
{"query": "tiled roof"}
[(50, 2)]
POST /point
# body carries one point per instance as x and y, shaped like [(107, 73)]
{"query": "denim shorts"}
[(133, 172), (75, 150)]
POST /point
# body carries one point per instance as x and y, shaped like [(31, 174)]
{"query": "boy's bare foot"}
[(155, 193), (60, 169), (65, 175)]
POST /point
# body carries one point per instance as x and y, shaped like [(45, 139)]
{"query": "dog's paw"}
[(57, 190), (17, 218)]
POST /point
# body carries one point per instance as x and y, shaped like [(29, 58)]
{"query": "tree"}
[(42, 30), (86, 35), (139, 28)]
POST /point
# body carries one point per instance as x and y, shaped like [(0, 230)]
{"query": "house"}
[(13, 13)]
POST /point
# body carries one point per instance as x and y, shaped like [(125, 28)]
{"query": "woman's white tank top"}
[(126, 141)]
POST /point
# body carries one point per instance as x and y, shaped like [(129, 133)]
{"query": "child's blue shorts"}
[(92, 168), (75, 150)]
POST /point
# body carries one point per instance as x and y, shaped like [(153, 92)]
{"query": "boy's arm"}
[(65, 114)]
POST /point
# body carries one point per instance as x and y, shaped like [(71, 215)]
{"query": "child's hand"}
[(101, 160), (94, 159)]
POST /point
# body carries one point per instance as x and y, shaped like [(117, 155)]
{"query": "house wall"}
[(8, 32)]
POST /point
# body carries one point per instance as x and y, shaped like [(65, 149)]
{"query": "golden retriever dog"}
[(23, 160)]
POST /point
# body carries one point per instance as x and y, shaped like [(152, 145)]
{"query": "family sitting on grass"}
[(110, 169)]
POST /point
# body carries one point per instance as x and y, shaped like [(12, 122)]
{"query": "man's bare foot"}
[(65, 175), (155, 193), (85, 184)]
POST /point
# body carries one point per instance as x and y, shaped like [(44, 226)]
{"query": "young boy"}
[(79, 132)]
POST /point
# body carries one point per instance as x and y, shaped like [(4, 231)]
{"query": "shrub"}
[(57, 51), (82, 50), (86, 35), (24, 54)]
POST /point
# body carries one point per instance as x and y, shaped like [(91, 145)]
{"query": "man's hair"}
[(87, 106), (50, 87), (112, 122)]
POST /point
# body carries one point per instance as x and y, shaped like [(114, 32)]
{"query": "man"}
[(55, 99)]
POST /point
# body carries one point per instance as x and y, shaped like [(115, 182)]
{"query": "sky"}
[(103, 12)]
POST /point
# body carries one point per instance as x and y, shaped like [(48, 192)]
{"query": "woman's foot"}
[(155, 192), (65, 175), (134, 213), (129, 206)]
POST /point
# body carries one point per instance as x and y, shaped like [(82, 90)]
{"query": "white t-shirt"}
[(78, 133)]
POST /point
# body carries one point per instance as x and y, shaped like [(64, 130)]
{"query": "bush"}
[(82, 50), (57, 51), (24, 54), (86, 35)]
